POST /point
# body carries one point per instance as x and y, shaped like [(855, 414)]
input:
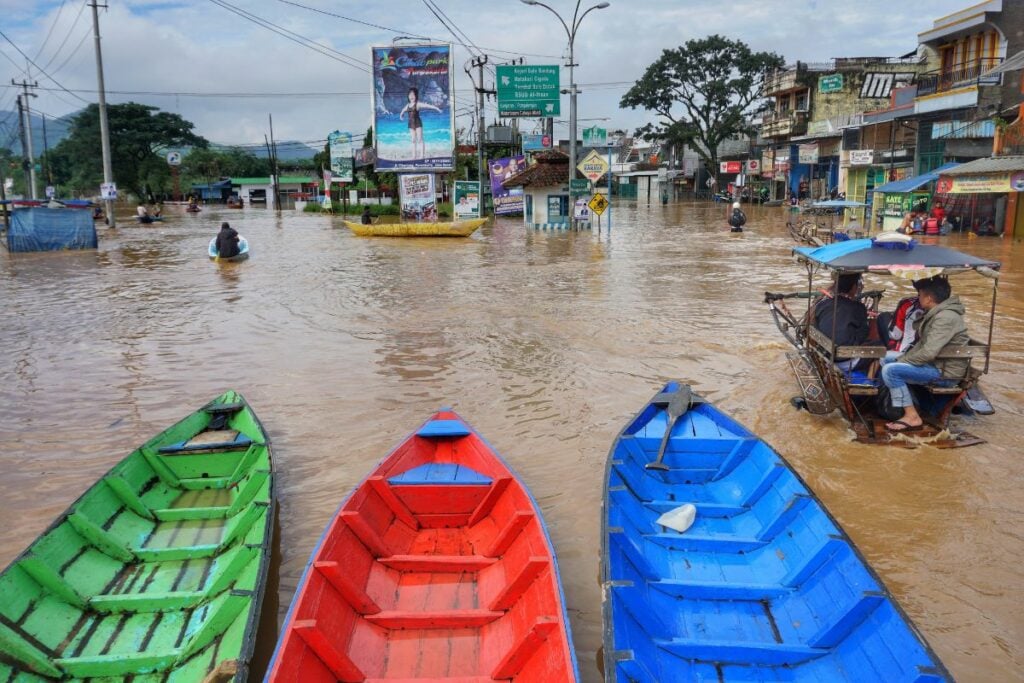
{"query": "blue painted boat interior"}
[(764, 586)]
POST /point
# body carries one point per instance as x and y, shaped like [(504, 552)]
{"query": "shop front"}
[(986, 193), (894, 200)]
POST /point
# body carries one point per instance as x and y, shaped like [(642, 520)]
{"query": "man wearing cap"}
[(942, 325)]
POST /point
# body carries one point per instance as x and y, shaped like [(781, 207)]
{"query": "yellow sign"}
[(598, 204), (980, 183), (593, 166)]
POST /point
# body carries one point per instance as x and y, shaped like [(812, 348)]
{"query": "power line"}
[(403, 32), (294, 37), (81, 42), (71, 30), (40, 69), (49, 33)]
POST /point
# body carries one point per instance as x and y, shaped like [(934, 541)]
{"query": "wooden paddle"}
[(677, 406)]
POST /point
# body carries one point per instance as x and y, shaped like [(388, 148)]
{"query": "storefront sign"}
[(730, 167), (862, 157), (981, 183), (830, 83), (808, 154), (754, 166)]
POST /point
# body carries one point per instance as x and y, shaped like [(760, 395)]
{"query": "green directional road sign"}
[(830, 83), (595, 137), (528, 90), (578, 186)]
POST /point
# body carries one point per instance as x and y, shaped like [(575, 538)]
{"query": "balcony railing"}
[(779, 124), (960, 76)]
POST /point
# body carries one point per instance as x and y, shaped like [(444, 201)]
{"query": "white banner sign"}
[(862, 157), (108, 191)]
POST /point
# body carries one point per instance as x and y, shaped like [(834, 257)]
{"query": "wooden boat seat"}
[(210, 440), (449, 474), (437, 429)]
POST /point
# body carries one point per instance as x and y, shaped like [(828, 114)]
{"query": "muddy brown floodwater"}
[(545, 342)]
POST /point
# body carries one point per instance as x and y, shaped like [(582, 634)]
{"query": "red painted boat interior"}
[(437, 568)]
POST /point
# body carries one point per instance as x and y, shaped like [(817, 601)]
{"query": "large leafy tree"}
[(139, 137), (206, 165), (703, 93)]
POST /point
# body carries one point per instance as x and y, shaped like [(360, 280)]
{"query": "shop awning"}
[(911, 184), (1005, 164)]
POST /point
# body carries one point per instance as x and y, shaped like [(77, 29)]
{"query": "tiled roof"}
[(550, 168)]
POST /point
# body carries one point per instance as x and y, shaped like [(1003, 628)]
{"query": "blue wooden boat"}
[(763, 586)]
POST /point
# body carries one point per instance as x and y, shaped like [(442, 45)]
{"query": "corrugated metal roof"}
[(1007, 164)]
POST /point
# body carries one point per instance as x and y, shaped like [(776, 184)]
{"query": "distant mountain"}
[(56, 130)]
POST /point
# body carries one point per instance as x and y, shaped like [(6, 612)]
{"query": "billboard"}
[(467, 199), (413, 112), (341, 156), (533, 143), (416, 193), (506, 202)]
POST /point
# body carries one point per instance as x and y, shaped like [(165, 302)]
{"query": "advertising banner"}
[(982, 183), (593, 166), (341, 156), (506, 202), (413, 113), (595, 137), (365, 156), (467, 199), (534, 143), (416, 194), (730, 166), (808, 154)]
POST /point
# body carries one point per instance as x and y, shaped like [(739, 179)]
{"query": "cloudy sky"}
[(179, 48)]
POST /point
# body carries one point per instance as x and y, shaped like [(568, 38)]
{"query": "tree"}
[(139, 137), (703, 91), (205, 165)]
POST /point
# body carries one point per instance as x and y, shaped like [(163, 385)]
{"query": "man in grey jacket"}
[(941, 326)]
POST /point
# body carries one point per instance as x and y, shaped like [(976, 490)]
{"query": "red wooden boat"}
[(437, 567)]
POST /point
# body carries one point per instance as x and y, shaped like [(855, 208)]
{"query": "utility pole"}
[(273, 166), (108, 169), (479, 62), (27, 140), (24, 153)]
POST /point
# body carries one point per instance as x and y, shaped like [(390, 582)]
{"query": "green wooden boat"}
[(157, 572)]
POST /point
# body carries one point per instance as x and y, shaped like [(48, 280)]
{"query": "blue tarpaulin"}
[(911, 184), (40, 229)]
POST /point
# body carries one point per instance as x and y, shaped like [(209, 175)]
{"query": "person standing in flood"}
[(737, 219)]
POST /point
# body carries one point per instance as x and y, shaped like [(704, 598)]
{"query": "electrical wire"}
[(42, 71), (81, 42), (295, 37), (399, 31), (71, 30), (49, 33)]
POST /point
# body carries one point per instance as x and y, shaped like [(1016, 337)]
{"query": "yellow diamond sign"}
[(593, 166), (598, 204)]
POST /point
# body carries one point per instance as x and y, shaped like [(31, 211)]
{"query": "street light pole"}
[(570, 33)]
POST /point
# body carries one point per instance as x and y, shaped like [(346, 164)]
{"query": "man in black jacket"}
[(227, 241), (843, 318)]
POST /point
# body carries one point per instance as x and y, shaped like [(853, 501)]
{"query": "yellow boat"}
[(452, 229)]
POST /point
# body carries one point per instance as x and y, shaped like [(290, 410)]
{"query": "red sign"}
[(730, 167)]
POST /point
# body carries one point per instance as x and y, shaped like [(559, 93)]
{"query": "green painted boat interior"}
[(157, 572)]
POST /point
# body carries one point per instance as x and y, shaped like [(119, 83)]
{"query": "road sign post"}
[(528, 90)]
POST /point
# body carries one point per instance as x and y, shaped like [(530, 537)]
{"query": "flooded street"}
[(547, 343)]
